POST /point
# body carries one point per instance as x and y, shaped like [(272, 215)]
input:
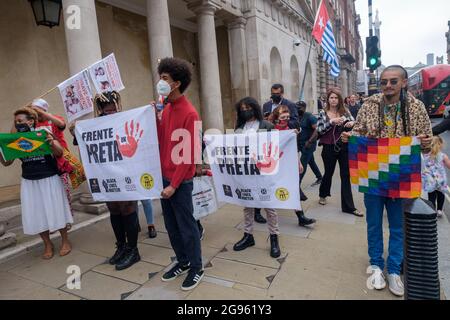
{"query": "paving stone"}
[(96, 286), (156, 289), (162, 240), (241, 272), (156, 255), (250, 255), (228, 216), (217, 236), (331, 214), (138, 273), (14, 287), (53, 272), (211, 291)]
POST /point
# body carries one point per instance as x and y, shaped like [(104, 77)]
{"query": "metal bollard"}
[(421, 266)]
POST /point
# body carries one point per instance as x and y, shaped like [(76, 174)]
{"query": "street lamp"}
[(47, 12)]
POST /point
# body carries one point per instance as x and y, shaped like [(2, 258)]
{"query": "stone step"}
[(7, 240), (10, 217)]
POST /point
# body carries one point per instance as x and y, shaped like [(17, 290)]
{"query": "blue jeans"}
[(148, 210), (184, 235), (374, 217)]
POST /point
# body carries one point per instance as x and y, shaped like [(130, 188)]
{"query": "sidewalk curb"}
[(28, 246)]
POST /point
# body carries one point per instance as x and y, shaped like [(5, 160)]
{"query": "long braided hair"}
[(101, 100), (404, 104)]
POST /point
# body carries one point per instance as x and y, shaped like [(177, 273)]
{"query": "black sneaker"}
[(192, 280), (118, 255), (173, 273), (130, 257)]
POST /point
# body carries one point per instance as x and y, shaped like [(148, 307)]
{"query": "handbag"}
[(71, 165)]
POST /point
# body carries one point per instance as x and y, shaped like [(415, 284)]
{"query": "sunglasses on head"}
[(384, 82)]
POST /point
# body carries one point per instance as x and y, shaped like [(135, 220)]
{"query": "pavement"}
[(327, 261)]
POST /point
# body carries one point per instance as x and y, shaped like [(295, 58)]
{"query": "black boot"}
[(258, 217), (275, 251), (118, 255), (303, 196), (245, 242), (131, 257), (302, 220)]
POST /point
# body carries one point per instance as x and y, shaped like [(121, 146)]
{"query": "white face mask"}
[(163, 88)]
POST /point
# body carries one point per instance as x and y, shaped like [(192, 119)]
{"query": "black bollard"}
[(421, 269)]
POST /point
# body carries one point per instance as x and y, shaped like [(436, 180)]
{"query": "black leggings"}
[(126, 228), (437, 196)]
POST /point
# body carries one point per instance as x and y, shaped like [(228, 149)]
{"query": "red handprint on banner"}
[(269, 164), (128, 149)]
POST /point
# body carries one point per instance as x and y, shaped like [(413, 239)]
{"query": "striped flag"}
[(323, 33)]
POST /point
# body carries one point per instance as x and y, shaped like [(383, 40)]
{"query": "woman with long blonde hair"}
[(434, 177)]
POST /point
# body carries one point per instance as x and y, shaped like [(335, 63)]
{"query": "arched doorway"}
[(308, 90)]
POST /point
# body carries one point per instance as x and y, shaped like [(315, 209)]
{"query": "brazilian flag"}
[(22, 145)]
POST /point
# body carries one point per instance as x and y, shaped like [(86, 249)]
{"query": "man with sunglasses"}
[(392, 114)]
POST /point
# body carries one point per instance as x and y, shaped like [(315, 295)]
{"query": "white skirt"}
[(44, 205)]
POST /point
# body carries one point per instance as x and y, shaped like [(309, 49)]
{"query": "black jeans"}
[(330, 157), (439, 197), (312, 163), (181, 226)]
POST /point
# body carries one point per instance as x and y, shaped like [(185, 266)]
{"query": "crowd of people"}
[(45, 194)]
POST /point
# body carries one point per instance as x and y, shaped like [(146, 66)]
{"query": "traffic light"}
[(373, 53)]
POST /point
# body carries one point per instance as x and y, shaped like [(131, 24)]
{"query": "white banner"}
[(120, 155), (105, 75), (256, 170), (76, 94)]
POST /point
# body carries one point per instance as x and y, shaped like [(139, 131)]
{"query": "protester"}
[(307, 141), (391, 114), (250, 118), (45, 207), (179, 114), (56, 124), (434, 176), (333, 121), (277, 99), (123, 214), (148, 211), (280, 118), (353, 105)]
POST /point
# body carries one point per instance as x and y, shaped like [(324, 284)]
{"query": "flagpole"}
[(306, 67)]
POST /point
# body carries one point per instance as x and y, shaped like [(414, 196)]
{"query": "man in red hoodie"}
[(176, 134)]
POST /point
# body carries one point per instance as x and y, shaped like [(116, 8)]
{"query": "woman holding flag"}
[(45, 207)]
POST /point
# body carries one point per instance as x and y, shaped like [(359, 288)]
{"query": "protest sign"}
[(105, 75)]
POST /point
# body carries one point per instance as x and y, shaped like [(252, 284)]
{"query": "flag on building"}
[(387, 167), (323, 33), (22, 145)]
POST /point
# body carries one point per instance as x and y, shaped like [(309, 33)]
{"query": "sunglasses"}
[(384, 82)]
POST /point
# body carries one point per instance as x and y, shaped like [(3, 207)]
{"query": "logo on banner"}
[(227, 190), (244, 194), (128, 145), (110, 185), (147, 181), (95, 187), (282, 194), (264, 195), (129, 185)]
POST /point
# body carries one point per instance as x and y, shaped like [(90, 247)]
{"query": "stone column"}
[(159, 36), (238, 58), (83, 45), (83, 49), (211, 99)]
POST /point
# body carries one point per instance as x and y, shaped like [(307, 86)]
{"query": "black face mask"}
[(301, 112), (247, 114), (22, 127), (276, 98)]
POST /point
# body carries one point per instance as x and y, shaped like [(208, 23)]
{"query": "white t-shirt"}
[(251, 125)]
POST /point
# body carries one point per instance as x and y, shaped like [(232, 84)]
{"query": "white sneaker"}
[(376, 280), (396, 285), (440, 213), (323, 201)]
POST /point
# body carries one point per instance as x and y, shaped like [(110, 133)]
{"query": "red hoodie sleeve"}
[(182, 169)]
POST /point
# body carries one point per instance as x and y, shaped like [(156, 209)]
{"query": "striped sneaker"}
[(192, 280), (173, 273)]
